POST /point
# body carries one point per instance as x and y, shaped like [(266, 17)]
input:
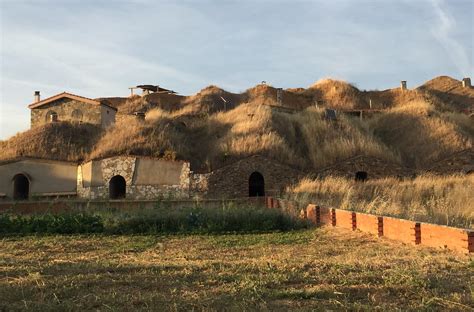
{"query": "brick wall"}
[(402, 230), (410, 232), (370, 223), (375, 168), (232, 181)]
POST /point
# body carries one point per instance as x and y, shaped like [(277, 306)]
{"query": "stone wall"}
[(126, 166), (232, 181), (46, 177), (461, 162), (375, 168), (71, 110)]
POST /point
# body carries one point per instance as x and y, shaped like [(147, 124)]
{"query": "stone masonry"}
[(67, 110), (232, 181), (125, 166)]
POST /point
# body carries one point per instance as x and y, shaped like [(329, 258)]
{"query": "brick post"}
[(380, 226), (333, 217), (470, 241), (354, 221), (417, 233)]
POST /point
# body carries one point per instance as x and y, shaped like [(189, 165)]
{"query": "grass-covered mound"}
[(215, 127), (59, 140)]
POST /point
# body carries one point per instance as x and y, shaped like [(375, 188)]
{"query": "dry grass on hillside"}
[(420, 134), (416, 129), (130, 136), (62, 141), (450, 92), (325, 142), (305, 140), (313, 270), (410, 134), (443, 200), (337, 94)]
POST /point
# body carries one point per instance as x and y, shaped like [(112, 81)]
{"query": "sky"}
[(100, 48)]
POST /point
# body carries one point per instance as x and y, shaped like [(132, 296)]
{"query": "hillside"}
[(450, 92), (215, 127), (61, 141)]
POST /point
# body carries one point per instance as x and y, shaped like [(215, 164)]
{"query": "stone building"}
[(133, 178), (363, 167), (24, 178), (70, 107), (460, 162), (252, 176), (109, 178)]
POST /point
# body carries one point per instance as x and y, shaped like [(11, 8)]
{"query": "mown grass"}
[(307, 270)]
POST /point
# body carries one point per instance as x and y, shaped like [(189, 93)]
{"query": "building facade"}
[(69, 107)]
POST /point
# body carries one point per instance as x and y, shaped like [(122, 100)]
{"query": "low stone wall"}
[(30, 207), (138, 192)]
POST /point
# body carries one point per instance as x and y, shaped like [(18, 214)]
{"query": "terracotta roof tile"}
[(70, 96)]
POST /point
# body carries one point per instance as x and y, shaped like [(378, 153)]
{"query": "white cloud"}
[(443, 33)]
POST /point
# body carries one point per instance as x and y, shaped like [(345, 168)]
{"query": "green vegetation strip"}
[(152, 221)]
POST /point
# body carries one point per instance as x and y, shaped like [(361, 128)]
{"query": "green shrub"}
[(153, 221)]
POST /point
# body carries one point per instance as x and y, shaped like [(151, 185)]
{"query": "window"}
[(76, 115), (51, 116)]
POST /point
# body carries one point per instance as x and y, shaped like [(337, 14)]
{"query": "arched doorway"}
[(256, 184), (117, 187), (21, 187), (361, 176)]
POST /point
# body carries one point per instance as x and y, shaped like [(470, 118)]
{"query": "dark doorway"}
[(117, 187), (256, 185), (361, 176), (21, 187)]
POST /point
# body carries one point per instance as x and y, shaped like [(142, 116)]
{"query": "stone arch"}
[(21, 186), (361, 176), (77, 115), (256, 184), (51, 116), (117, 187)]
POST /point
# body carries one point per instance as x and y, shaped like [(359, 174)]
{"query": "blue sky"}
[(100, 48)]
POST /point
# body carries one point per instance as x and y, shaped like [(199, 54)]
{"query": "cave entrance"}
[(117, 187), (361, 176), (21, 187), (256, 185)]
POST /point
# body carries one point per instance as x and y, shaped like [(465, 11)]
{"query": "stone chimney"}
[(37, 96), (466, 82), (403, 85)]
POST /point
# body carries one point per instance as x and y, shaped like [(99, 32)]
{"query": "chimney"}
[(466, 82), (37, 96), (403, 85)]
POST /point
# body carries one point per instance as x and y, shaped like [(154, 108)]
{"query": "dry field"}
[(323, 269)]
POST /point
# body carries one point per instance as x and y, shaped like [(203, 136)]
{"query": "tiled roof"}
[(69, 96)]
